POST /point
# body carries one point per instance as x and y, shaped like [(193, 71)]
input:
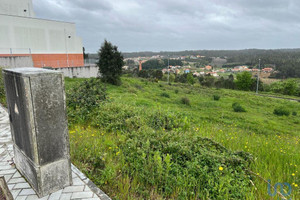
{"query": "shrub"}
[(137, 86), (83, 98), (176, 91), (217, 97), (159, 119), (164, 94), (294, 113), (190, 79), (244, 81), (280, 111), (237, 107), (185, 101)]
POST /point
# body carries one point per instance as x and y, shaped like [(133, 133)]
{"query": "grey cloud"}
[(136, 25)]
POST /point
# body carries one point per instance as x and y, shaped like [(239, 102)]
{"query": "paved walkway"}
[(82, 187)]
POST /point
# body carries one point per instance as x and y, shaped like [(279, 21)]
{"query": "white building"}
[(49, 43)]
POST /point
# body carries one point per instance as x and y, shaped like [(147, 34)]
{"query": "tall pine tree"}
[(110, 63)]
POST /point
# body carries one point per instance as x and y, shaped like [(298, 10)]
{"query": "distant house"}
[(208, 67), (196, 74), (267, 70), (235, 70), (187, 71), (242, 68), (213, 74), (221, 70)]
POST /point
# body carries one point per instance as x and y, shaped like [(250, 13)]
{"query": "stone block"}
[(37, 113)]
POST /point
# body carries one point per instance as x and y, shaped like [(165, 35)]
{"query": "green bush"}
[(176, 91), (217, 97), (164, 94), (237, 107), (244, 81), (185, 101), (166, 120), (294, 113), (281, 111), (117, 117), (83, 98)]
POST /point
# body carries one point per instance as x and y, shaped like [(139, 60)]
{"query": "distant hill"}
[(286, 61)]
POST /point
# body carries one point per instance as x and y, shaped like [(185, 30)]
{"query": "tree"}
[(244, 81), (158, 74), (110, 63), (190, 79)]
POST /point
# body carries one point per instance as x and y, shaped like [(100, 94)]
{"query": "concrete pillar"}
[(37, 110)]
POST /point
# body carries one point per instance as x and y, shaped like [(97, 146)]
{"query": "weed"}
[(237, 107), (216, 97), (281, 111), (164, 94), (186, 101)]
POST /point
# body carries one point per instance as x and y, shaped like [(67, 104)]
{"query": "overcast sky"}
[(171, 25)]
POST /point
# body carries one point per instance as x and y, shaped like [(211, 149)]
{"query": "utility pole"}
[(258, 77), (168, 69)]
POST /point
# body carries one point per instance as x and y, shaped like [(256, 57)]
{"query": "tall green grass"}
[(119, 130)]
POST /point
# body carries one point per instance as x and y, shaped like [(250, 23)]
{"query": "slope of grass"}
[(138, 122)]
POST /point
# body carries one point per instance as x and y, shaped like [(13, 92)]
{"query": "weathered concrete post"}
[(37, 110)]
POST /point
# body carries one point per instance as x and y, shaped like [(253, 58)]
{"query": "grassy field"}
[(144, 143)]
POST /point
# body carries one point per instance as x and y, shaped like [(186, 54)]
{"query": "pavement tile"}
[(17, 175), (73, 189), (15, 193), (66, 196), (55, 195), (32, 197), (21, 198), (16, 180), (22, 186), (81, 195), (26, 192), (11, 186)]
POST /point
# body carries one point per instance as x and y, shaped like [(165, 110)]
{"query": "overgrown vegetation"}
[(83, 98), (144, 146), (186, 101), (216, 97), (286, 87), (238, 108), (2, 89), (281, 111)]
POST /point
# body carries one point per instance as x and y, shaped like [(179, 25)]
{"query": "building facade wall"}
[(80, 72), (50, 43), (22, 8), (16, 61)]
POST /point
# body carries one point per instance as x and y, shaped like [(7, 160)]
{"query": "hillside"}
[(153, 140)]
